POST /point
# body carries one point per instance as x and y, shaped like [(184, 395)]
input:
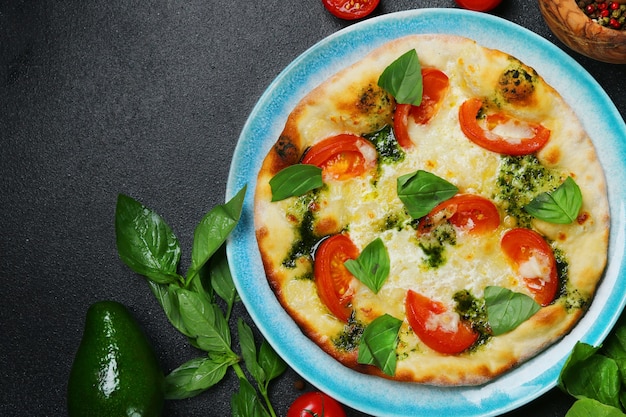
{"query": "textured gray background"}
[(145, 98)]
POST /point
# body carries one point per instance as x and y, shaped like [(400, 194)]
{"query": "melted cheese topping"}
[(536, 266), (447, 322)]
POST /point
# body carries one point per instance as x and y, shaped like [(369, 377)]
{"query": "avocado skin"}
[(115, 371)]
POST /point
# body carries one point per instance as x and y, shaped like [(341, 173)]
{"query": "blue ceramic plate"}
[(375, 395)]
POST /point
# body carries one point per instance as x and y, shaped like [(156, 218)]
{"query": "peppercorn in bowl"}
[(594, 28)]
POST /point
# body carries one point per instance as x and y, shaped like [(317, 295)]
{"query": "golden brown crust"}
[(351, 102)]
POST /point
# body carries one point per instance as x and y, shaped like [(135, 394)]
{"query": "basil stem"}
[(421, 191), (403, 79), (507, 309), (372, 266), (295, 180), (560, 206)]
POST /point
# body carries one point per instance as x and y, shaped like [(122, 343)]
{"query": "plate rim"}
[(237, 178)]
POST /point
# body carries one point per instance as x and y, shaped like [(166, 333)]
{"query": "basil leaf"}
[(204, 321), (589, 374), (167, 297), (580, 353), (218, 338), (271, 363), (560, 206), (213, 230), (194, 377), (246, 403), (372, 266), (507, 309), (295, 180), (378, 344), (222, 279), (586, 407), (145, 243), (421, 191), (403, 79), (614, 345), (248, 352)]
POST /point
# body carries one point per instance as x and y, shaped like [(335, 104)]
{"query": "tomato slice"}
[(350, 9), (331, 275), (468, 212), (478, 5), (485, 137), (435, 85), (441, 331), (315, 403), (343, 156), (401, 125), (534, 260)]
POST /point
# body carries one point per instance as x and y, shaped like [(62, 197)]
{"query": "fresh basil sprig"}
[(149, 247), (372, 266), (421, 191), (507, 309), (594, 376), (403, 79), (295, 180), (560, 206), (378, 344)]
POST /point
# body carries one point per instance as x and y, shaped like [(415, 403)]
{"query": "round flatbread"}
[(459, 261)]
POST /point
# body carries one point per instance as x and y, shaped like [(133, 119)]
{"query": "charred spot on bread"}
[(286, 153)]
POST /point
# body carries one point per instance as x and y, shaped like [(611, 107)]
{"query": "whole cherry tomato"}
[(478, 5), (350, 9), (315, 404)]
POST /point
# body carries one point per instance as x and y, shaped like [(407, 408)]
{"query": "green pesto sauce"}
[(562, 267), (520, 179), (395, 221), (376, 107), (434, 244), (474, 311), (572, 298), (306, 239), (387, 146), (349, 338)]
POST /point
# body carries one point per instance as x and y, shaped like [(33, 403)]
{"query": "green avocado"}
[(115, 371)]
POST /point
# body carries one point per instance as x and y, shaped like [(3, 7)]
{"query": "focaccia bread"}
[(475, 129)]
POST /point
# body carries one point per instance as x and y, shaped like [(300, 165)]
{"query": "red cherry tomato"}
[(478, 5), (315, 404), (435, 85), (331, 275), (472, 213), (350, 9), (427, 319), (534, 260), (342, 156), (493, 142)]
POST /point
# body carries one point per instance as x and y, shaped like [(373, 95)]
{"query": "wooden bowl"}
[(576, 30)]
